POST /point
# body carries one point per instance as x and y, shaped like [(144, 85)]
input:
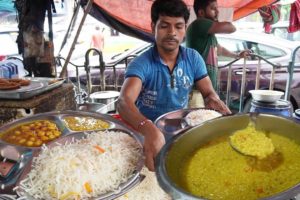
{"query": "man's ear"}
[(201, 13)]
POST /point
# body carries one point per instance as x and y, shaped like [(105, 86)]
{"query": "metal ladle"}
[(253, 119)]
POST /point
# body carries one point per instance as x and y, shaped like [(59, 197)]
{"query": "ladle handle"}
[(253, 118)]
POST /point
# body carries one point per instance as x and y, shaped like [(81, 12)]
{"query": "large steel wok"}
[(173, 153)]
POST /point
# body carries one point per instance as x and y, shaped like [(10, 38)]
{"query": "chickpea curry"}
[(32, 134)]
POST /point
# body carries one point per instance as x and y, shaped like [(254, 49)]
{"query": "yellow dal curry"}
[(216, 171), (252, 142), (85, 123)]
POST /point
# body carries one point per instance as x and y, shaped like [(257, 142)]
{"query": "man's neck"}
[(169, 57)]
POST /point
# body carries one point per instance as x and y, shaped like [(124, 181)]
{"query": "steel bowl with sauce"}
[(175, 158)]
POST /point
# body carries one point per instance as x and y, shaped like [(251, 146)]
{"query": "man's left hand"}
[(244, 54), (217, 104)]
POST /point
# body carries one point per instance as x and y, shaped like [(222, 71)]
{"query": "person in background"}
[(159, 80), (98, 39), (114, 32), (201, 36)]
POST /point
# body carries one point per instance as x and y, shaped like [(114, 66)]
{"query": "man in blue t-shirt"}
[(160, 80)]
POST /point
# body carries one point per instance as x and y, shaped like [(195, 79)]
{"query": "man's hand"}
[(154, 141), (244, 54), (217, 104)]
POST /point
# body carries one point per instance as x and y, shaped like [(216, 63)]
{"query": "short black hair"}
[(201, 4), (172, 8)]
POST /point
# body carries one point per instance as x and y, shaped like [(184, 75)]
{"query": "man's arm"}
[(225, 52), (210, 97), (221, 27), (154, 139)]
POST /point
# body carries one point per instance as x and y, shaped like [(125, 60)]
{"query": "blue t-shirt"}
[(162, 90)]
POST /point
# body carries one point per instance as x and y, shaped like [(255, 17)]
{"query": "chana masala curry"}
[(216, 171), (32, 134)]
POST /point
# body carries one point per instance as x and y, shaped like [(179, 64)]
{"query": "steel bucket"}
[(93, 107), (106, 97)]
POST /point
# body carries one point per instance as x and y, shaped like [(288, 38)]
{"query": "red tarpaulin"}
[(132, 17)]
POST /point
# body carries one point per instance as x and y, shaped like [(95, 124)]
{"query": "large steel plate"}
[(19, 158)]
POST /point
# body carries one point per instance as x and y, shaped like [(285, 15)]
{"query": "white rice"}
[(197, 117), (148, 189), (65, 170)]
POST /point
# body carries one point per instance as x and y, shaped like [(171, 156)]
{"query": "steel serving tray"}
[(36, 87), (22, 156)]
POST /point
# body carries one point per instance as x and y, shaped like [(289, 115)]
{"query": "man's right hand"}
[(154, 141)]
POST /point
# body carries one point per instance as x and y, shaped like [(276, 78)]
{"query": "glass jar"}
[(280, 107)]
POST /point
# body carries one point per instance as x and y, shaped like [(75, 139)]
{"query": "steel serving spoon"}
[(259, 142)]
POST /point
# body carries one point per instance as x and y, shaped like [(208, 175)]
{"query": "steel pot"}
[(93, 107), (173, 153), (106, 97)]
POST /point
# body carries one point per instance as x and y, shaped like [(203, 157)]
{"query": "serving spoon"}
[(251, 142), (270, 160)]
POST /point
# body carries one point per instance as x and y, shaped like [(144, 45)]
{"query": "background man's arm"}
[(221, 27), (225, 52)]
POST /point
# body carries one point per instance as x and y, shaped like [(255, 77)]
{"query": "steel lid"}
[(104, 94)]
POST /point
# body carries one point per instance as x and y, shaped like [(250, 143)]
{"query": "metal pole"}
[(258, 74), (65, 67), (227, 100), (291, 73), (243, 87)]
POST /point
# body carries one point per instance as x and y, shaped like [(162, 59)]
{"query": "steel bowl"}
[(177, 148), (266, 95), (93, 107)]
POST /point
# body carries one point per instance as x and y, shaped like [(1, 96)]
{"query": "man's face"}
[(169, 32), (211, 11)]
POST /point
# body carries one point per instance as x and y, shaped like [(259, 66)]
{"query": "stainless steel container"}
[(280, 107), (175, 150), (106, 97), (93, 107)]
